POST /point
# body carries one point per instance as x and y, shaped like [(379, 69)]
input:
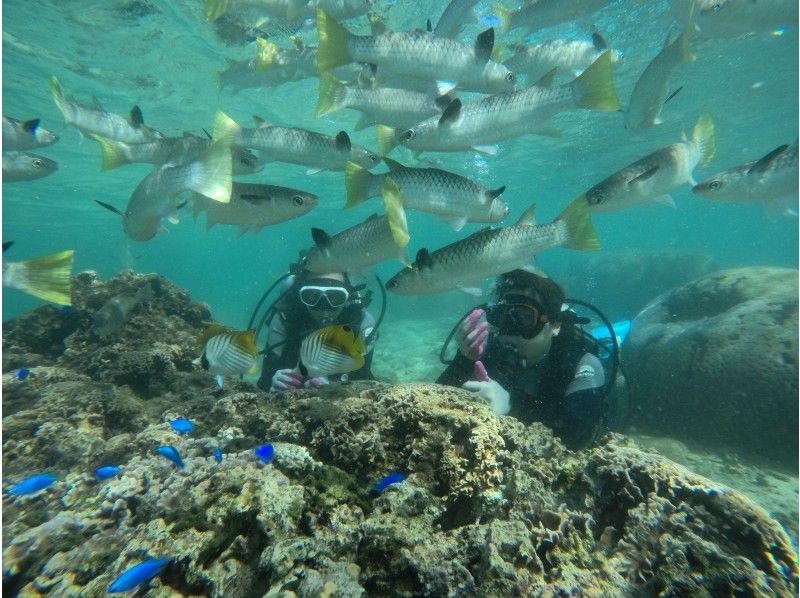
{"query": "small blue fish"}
[(218, 455), (171, 453), (181, 425), (21, 374), (66, 309), (218, 380), (104, 473), (137, 575), (392, 478), (33, 484), (265, 452), (489, 21)]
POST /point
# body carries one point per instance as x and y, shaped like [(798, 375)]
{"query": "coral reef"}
[(715, 361), (489, 507)]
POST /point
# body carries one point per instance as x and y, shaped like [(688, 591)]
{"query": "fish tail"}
[(580, 231), (594, 88), (331, 94), (704, 139), (60, 99), (386, 139), (45, 277), (504, 14), (211, 174), (356, 182), (225, 128), (332, 50), (266, 52), (393, 204), (112, 152), (214, 9)]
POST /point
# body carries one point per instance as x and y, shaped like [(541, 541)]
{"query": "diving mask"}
[(517, 315)]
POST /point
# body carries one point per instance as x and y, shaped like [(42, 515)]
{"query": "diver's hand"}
[(285, 379), (471, 335), (316, 382), (489, 391)]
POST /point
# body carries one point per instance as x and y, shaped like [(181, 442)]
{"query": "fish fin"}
[(492, 193), (685, 53), (218, 381), (429, 26), (594, 88), (764, 163), (402, 256), (330, 94), (504, 15), (547, 79), (393, 164), (376, 24), (266, 52), (225, 128), (580, 232), (387, 139), (598, 41), (356, 184), (260, 122), (484, 44), (7, 245), (60, 99), (393, 204), (424, 259), (173, 218), (212, 173), (30, 126), (245, 341), (475, 291), (364, 121), (46, 277), (703, 138), (321, 239), (490, 150), (665, 200), (313, 171), (643, 176), (136, 119), (450, 114), (214, 9), (343, 143), (673, 94), (444, 87), (109, 207), (332, 49), (658, 120), (528, 217), (456, 222), (112, 153)]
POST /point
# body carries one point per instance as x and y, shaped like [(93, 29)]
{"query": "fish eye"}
[(716, 7), (38, 163), (246, 161), (298, 200), (715, 184), (374, 158), (392, 284), (347, 329), (511, 78), (409, 135)]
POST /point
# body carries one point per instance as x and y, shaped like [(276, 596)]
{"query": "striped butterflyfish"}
[(331, 350), (228, 352)]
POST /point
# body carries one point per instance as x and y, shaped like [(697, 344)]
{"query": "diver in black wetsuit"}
[(539, 366), (310, 302)]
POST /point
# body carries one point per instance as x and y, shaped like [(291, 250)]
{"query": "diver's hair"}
[(552, 296)]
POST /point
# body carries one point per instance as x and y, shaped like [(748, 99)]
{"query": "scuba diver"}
[(533, 361), (309, 302)]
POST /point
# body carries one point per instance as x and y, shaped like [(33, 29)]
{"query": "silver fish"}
[(538, 14), (110, 318), (650, 179), (479, 125), (771, 180), (175, 150), (418, 54), (294, 145), (253, 206), (455, 198), (25, 135), (99, 121), (388, 106), (19, 166), (730, 18), (650, 92), (455, 16), (491, 252)]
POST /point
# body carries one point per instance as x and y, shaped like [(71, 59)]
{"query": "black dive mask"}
[(517, 315)]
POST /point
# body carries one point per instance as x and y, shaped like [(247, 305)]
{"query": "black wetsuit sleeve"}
[(458, 372), (274, 360), (584, 403)]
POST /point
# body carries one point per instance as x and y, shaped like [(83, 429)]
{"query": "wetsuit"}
[(288, 328), (564, 391)]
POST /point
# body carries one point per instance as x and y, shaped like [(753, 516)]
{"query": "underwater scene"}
[(400, 298)]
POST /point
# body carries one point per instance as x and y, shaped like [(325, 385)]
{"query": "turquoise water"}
[(164, 61)]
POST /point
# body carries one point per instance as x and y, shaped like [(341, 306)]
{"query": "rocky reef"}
[(715, 362), (489, 506)]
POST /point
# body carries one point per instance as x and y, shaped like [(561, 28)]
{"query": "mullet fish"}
[(650, 179), (418, 54), (228, 352), (254, 206), (771, 180), (25, 135), (538, 14), (331, 350), (455, 198), (480, 124), (491, 252), (45, 277), (20, 166)]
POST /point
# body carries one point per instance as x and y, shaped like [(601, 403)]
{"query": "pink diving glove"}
[(286, 379), (316, 382), (488, 391), (471, 335)]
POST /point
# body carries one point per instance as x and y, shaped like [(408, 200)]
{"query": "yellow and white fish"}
[(331, 350), (228, 352), (45, 277)]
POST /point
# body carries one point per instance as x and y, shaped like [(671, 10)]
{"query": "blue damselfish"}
[(265, 452), (171, 453), (181, 425), (392, 478), (137, 575), (109, 471), (218, 455), (33, 484)]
